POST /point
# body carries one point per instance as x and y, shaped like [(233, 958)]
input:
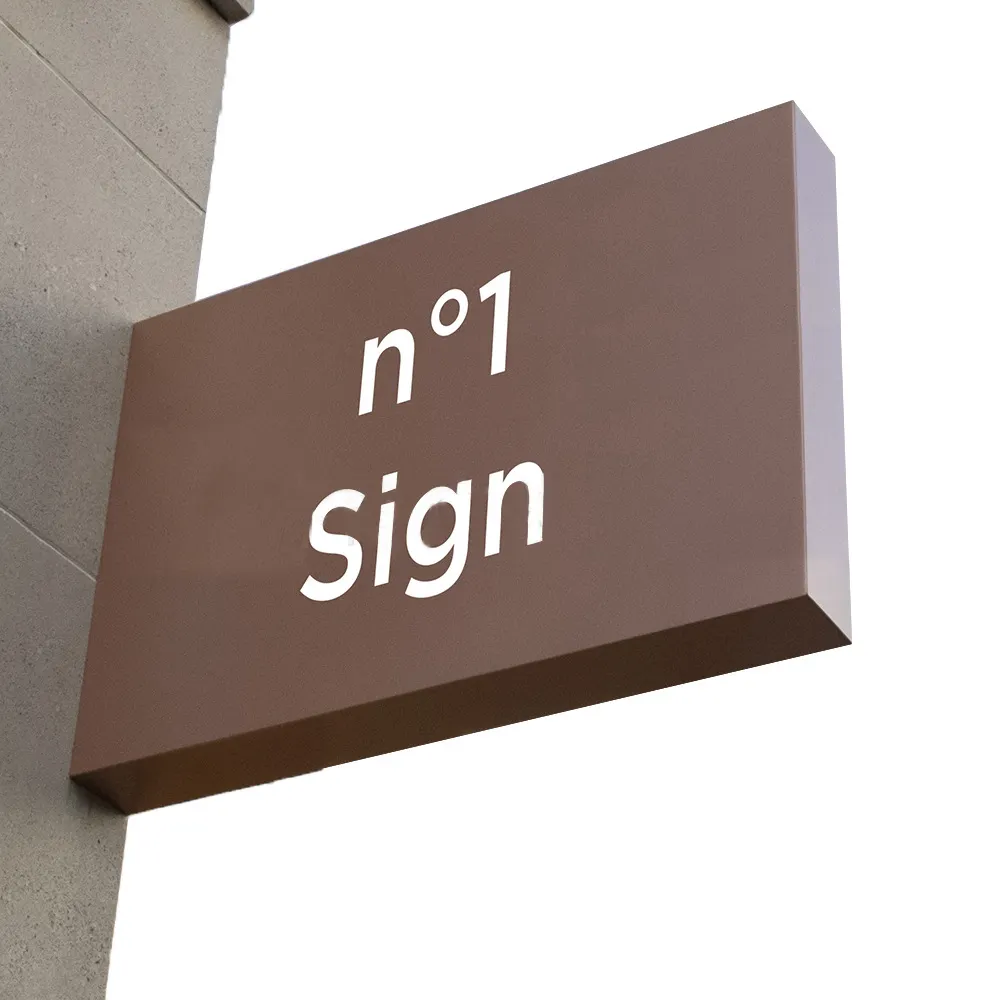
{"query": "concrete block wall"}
[(108, 113)]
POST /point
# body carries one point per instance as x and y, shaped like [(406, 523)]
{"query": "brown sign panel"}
[(572, 445)]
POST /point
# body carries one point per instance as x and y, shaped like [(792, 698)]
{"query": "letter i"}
[(383, 554)]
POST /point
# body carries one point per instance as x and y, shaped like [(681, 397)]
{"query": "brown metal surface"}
[(672, 367)]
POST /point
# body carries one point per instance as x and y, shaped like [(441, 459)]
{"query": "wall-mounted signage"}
[(576, 444)]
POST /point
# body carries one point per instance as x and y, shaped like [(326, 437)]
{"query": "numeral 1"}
[(499, 289)]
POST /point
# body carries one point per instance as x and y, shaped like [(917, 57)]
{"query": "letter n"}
[(533, 479), (402, 341)]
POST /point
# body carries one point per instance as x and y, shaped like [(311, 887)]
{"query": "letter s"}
[(339, 545)]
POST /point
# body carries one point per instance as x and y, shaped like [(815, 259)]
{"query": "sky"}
[(822, 827)]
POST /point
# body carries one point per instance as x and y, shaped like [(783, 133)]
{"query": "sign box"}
[(573, 445)]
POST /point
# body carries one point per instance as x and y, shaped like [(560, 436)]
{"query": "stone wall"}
[(108, 114)]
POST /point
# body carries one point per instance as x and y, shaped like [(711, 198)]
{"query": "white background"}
[(826, 827)]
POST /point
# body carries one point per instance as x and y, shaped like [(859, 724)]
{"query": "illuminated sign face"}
[(572, 445)]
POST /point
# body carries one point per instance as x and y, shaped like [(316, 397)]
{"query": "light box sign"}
[(572, 445)]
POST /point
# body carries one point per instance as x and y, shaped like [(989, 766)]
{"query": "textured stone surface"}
[(153, 67), (92, 238), (107, 125), (60, 850)]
